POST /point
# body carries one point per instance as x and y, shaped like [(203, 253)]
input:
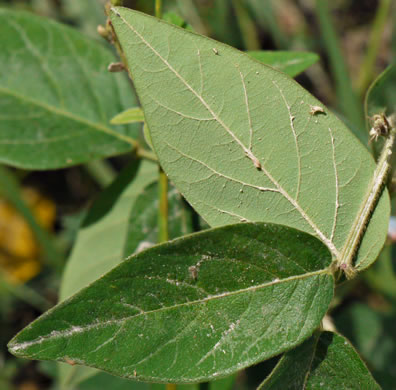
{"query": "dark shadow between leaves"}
[(108, 198)]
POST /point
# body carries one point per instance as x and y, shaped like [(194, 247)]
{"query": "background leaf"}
[(241, 140), (57, 97), (372, 332), (381, 95), (100, 242), (327, 361), (102, 236), (290, 62), (195, 308), (143, 219)]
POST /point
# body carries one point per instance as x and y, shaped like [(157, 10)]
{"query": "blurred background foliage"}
[(40, 212)]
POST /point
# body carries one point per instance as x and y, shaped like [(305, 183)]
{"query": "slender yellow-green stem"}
[(163, 234), (158, 8), (367, 70), (345, 262), (143, 153)]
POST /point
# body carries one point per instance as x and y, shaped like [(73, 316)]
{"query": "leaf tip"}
[(15, 348)]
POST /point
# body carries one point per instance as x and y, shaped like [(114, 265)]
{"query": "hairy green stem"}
[(368, 205), (367, 70)]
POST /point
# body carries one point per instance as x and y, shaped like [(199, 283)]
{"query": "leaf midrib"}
[(77, 329), (69, 115), (247, 151)]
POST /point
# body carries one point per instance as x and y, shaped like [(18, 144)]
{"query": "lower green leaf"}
[(194, 309), (325, 361)]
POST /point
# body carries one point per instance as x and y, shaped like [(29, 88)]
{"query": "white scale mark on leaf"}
[(223, 340), (247, 152)]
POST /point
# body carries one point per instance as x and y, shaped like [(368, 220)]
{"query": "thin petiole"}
[(345, 261)]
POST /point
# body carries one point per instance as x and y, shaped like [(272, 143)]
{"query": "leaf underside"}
[(326, 360), (193, 309), (57, 97), (242, 141)]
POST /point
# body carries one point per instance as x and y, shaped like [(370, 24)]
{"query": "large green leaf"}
[(193, 309), (325, 361), (244, 142), (290, 62), (57, 97)]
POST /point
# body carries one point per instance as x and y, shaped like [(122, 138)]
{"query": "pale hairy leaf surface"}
[(196, 308), (290, 62), (325, 361), (243, 142), (57, 97)]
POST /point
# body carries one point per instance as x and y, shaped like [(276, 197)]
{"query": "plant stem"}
[(246, 25), (143, 153), (368, 205), (163, 234), (367, 70), (351, 106), (158, 9)]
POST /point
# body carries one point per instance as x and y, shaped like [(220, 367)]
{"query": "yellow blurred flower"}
[(19, 251)]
